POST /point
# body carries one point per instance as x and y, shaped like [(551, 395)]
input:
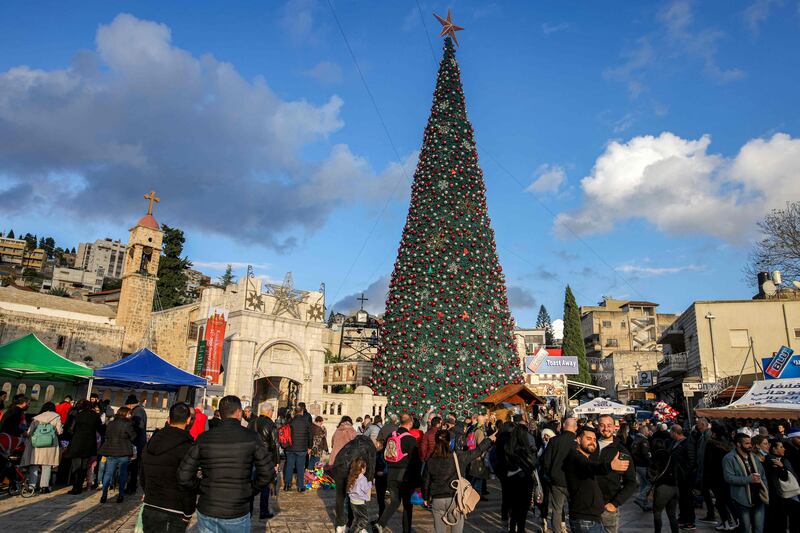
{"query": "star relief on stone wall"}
[(315, 312), (287, 299), (254, 301)]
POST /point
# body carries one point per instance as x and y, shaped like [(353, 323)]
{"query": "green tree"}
[(10, 234), (227, 278), (58, 291), (171, 284), (48, 244), (543, 322), (73, 252), (111, 284), (573, 338), (448, 335), (30, 241)]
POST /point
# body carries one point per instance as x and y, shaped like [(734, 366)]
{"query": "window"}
[(35, 391), (606, 323), (612, 343), (49, 392), (22, 388), (739, 338), (622, 324), (193, 329), (797, 333), (62, 340)]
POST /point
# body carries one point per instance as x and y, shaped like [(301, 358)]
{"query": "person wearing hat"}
[(792, 445), (139, 419)]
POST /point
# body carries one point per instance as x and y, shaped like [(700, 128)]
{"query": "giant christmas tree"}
[(447, 340)]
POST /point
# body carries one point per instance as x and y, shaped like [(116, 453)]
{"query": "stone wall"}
[(134, 310), (74, 339), (171, 334)]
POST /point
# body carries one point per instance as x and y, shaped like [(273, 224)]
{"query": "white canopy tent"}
[(600, 406)]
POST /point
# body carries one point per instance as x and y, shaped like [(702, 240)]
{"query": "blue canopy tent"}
[(148, 371)]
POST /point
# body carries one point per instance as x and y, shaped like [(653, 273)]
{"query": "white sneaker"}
[(341, 529)]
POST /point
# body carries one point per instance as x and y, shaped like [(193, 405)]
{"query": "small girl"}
[(358, 490)]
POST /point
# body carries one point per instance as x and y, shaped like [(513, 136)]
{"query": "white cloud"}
[(325, 72), (549, 179), (679, 187), (138, 113), (558, 329), (377, 293), (548, 29), (758, 12), (647, 271), (298, 20), (676, 37)]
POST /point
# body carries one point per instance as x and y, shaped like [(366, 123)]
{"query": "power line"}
[(428, 35)]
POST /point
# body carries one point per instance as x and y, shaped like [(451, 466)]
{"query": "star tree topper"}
[(448, 28)]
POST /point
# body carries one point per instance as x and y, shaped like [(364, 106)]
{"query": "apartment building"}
[(103, 255), (621, 338), (15, 252)]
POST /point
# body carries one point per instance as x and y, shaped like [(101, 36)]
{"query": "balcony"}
[(674, 364)]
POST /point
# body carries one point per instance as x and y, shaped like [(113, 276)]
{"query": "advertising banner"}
[(551, 365), (778, 393), (215, 341), (200, 360), (783, 364)]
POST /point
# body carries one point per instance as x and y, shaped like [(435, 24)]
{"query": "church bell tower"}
[(139, 276)]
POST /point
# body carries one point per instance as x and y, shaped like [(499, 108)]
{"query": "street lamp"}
[(711, 317)]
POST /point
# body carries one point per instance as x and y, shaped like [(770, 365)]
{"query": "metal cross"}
[(153, 198), (362, 299)]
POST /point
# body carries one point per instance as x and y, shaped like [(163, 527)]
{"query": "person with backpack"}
[(360, 448), (661, 474), (117, 451), (298, 449), (401, 454), (440, 472), (43, 450), (345, 432), (478, 473)]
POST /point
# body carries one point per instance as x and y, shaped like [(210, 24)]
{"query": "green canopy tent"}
[(29, 358)]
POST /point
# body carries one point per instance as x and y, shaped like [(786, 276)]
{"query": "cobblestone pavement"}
[(311, 511)]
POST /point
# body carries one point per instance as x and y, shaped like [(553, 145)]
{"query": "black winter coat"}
[(120, 434), (557, 451), (158, 471), (84, 435), (617, 487), (360, 446), (302, 438), (684, 461), (441, 471), (12, 421), (226, 456), (585, 498), (268, 431)]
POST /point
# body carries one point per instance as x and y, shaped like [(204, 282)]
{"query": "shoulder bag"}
[(464, 500)]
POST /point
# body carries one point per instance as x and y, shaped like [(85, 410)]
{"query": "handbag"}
[(789, 488), (464, 500)]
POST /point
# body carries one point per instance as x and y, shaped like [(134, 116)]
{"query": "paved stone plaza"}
[(311, 511)]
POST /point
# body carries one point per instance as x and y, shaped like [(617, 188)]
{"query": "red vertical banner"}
[(215, 340)]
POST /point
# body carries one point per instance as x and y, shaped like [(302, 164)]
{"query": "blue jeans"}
[(312, 462), (644, 485), (39, 472), (478, 484), (209, 524), (112, 463), (750, 518), (295, 463), (586, 526)]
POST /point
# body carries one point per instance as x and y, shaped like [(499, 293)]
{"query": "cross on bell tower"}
[(362, 299), (139, 277)]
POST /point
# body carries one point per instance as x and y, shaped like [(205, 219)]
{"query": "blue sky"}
[(628, 147)]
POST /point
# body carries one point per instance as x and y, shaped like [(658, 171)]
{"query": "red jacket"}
[(63, 410), (199, 425), (428, 443)]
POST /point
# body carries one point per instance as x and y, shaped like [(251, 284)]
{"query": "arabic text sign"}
[(779, 393), (552, 365)]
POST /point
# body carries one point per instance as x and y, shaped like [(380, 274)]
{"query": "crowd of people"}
[(569, 471)]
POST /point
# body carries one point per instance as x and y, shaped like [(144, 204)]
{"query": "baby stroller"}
[(11, 449)]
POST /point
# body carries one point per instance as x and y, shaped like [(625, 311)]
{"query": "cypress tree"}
[(573, 338)]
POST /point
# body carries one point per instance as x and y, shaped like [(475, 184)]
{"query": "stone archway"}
[(281, 374)]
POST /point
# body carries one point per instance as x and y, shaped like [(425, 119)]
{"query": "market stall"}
[(777, 399), (146, 370), (511, 398), (601, 406)]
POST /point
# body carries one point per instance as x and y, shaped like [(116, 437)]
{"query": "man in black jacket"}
[(226, 455), (403, 477), (617, 487), (15, 416), (167, 507), (298, 451), (362, 447), (586, 501), (558, 449), (684, 463), (268, 432)]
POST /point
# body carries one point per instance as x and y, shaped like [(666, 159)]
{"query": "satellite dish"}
[(769, 288), (796, 284)]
